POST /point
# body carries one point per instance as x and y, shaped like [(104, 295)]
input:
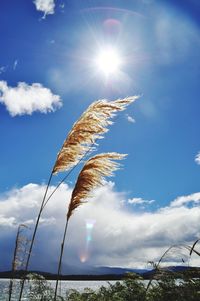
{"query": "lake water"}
[(62, 288)]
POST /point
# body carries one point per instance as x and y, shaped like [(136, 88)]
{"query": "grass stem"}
[(33, 237), (60, 258)]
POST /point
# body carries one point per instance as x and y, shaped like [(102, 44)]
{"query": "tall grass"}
[(92, 125), (173, 247), (19, 255), (90, 177)]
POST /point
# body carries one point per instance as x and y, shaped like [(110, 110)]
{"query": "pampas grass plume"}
[(92, 176), (92, 125)]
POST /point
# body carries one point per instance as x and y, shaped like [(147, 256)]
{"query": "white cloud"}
[(26, 99), (186, 199), (130, 118), (46, 6), (139, 201), (197, 158), (118, 238)]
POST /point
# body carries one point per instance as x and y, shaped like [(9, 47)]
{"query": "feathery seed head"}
[(92, 176), (92, 125)]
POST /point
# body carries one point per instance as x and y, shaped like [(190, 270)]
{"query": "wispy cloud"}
[(139, 201), (197, 158), (130, 118), (15, 64), (62, 6), (26, 99), (46, 6), (3, 69), (119, 238), (175, 37)]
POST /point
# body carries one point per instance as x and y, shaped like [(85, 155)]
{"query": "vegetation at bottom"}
[(168, 286)]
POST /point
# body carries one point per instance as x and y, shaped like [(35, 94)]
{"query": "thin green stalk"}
[(60, 259), (33, 237)]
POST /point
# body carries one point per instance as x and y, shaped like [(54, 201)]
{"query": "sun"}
[(108, 61)]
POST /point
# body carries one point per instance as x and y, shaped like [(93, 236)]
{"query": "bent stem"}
[(192, 248), (60, 259), (161, 258), (33, 237)]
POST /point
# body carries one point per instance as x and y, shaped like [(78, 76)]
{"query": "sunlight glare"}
[(108, 61)]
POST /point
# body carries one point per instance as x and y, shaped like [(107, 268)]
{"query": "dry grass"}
[(92, 176), (90, 126), (19, 256)]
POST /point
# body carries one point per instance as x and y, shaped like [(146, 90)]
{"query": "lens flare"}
[(89, 224), (83, 258)]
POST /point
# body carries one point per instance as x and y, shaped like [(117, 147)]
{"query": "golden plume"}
[(92, 176), (91, 126)]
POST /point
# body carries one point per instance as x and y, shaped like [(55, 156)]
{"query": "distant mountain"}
[(107, 273), (193, 271), (89, 270), (85, 269), (86, 272)]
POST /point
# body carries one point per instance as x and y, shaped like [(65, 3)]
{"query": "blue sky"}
[(51, 46)]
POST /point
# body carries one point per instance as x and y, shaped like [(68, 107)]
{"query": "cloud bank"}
[(26, 99), (186, 199), (117, 236), (46, 6)]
